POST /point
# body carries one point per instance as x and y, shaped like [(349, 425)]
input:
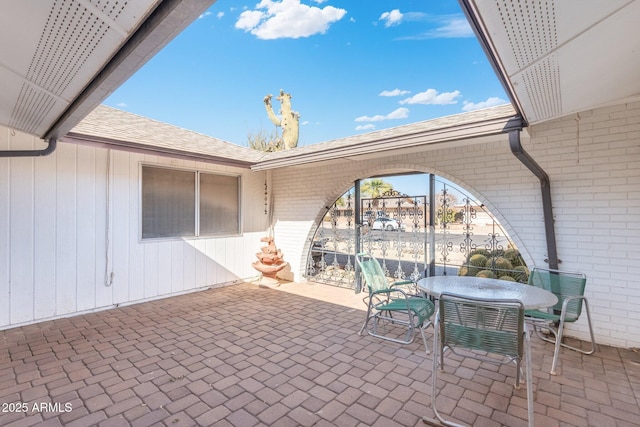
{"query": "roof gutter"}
[(52, 144), (389, 142), (133, 147)]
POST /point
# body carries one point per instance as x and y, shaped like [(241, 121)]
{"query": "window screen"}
[(219, 202), (170, 201)]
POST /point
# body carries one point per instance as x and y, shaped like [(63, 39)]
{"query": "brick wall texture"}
[(593, 161)]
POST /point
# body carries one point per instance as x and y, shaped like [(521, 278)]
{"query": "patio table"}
[(495, 290), (492, 289)]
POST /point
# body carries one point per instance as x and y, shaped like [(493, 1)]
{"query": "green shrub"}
[(478, 260), (502, 264), (521, 274), (487, 274), (482, 251), (476, 263), (506, 264), (514, 256)]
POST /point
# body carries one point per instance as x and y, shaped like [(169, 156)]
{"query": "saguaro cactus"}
[(289, 120)]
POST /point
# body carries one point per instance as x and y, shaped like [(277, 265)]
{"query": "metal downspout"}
[(514, 128), (545, 187), (53, 142)]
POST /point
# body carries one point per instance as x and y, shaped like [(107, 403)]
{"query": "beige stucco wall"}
[(593, 161)]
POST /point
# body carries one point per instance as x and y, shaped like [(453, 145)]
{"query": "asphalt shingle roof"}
[(107, 125), (112, 126)]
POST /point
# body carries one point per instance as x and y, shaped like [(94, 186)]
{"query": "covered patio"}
[(288, 356), (101, 326)]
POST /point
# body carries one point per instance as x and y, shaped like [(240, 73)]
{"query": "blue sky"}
[(350, 66)]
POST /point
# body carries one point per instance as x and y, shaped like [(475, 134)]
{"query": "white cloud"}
[(441, 26), (366, 127), (204, 15), (391, 18), (249, 20), (490, 102), (219, 15), (122, 104), (400, 113), (395, 92), (453, 28), (432, 97), (287, 19)]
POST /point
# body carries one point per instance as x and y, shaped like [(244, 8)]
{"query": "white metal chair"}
[(495, 327)]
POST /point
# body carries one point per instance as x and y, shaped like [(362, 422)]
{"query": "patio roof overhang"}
[(560, 57), (60, 59), (456, 130)]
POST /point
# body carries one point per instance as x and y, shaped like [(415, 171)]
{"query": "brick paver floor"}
[(248, 356)]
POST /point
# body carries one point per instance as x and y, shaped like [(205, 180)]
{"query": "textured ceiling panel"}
[(54, 50), (530, 28), (69, 37), (563, 56), (32, 108), (541, 87)]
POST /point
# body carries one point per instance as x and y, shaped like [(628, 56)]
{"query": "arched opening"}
[(417, 225)]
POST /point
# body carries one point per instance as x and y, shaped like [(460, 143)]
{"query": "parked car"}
[(388, 224), (369, 216)]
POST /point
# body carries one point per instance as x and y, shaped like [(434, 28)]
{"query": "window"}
[(219, 201), (181, 203)]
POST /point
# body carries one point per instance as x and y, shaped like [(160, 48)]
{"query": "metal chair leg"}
[(424, 338), (529, 375), (366, 321), (559, 334)]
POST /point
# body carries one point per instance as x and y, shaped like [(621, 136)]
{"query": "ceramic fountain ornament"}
[(269, 262)]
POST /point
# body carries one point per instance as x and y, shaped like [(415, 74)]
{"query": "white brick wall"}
[(593, 161)]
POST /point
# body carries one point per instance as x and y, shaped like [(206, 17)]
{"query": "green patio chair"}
[(390, 306), (484, 327), (569, 288)]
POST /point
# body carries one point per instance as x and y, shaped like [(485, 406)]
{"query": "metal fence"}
[(442, 232)]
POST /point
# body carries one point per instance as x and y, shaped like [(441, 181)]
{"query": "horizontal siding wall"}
[(593, 161), (69, 234)]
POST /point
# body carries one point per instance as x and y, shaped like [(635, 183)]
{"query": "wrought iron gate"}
[(395, 231), (412, 237), (392, 227), (331, 259)]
